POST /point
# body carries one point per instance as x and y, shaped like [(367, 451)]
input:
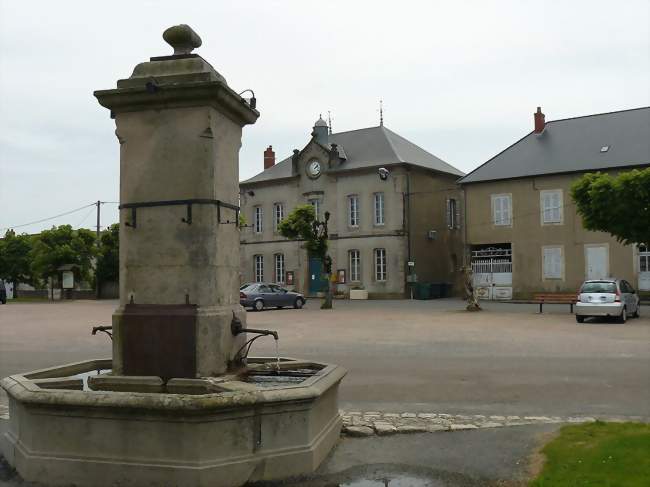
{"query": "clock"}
[(313, 169)]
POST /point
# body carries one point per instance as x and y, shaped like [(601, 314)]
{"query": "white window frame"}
[(258, 267), (278, 261), (553, 271), (278, 215), (381, 265), (354, 265), (315, 202), (258, 219), (379, 206), (353, 211), (551, 214), (498, 216)]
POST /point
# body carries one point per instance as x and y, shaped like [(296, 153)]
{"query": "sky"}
[(459, 78)]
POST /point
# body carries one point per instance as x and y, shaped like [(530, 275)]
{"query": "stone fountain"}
[(180, 403)]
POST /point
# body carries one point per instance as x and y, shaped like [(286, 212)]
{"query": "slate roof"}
[(369, 147), (574, 145)]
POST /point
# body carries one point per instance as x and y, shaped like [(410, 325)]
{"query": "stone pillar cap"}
[(182, 38)]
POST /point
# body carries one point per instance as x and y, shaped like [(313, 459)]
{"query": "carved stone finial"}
[(182, 38)]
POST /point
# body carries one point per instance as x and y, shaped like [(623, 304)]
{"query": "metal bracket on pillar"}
[(188, 203)]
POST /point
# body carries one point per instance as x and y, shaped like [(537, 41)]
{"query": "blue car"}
[(260, 295)]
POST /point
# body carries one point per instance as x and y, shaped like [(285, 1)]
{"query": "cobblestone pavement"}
[(369, 423)]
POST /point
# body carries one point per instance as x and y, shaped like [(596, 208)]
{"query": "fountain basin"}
[(219, 431)]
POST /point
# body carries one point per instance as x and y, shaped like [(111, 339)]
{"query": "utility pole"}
[(99, 204)]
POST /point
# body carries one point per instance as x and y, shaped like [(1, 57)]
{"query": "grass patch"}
[(597, 455)]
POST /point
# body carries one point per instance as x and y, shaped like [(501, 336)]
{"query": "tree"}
[(108, 256), (301, 224), (618, 205), (15, 260), (63, 246)]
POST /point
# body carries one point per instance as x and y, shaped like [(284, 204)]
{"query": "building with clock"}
[(395, 214)]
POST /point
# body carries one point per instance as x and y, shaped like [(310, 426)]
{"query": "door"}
[(316, 281), (596, 262), (644, 268)]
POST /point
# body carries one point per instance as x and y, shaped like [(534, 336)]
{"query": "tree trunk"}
[(327, 301), (15, 290)]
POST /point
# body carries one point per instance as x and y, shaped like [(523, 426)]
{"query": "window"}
[(353, 211), (259, 268), (553, 262), (453, 213), (502, 209), (380, 264), (278, 215), (279, 268), (551, 206), (355, 265), (379, 208), (258, 219), (316, 204)]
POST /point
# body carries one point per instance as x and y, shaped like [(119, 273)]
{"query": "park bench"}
[(555, 298)]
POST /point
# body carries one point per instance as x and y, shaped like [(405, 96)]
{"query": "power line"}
[(48, 219)]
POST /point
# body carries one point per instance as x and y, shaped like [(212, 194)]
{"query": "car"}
[(607, 297), (262, 295), (3, 292)]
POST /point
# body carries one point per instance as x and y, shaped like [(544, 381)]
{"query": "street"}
[(404, 355)]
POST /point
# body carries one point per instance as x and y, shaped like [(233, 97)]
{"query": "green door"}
[(316, 281)]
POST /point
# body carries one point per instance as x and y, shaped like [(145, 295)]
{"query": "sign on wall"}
[(289, 279), (341, 276), (68, 279)]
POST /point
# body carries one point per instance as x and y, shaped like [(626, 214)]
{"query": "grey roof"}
[(574, 145), (369, 147)]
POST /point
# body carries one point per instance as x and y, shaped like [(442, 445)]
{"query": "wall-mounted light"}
[(252, 102), (383, 173), (250, 192)]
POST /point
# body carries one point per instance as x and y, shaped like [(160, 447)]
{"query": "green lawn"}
[(27, 300), (598, 455)]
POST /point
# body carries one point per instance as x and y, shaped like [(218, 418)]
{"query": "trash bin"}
[(445, 290), (422, 290), (435, 290)]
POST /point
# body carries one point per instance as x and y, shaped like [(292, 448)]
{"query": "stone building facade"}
[(390, 202), (523, 232)]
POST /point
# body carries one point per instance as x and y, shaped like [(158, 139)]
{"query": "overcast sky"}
[(461, 79)]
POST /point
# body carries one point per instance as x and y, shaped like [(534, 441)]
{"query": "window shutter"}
[(448, 213), (458, 214)]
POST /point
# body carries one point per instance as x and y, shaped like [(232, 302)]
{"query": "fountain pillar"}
[(179, 126)]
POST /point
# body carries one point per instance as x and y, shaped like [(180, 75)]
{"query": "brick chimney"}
[(269, 157), (540, 121)]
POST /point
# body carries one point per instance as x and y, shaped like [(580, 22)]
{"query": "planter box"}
[(358, 294)]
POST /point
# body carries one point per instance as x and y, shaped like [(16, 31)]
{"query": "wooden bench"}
[(555, 298)]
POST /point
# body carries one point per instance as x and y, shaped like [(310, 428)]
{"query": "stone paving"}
[(369, 423)]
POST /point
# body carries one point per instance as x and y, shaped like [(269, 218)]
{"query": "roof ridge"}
[(598, 114), (356, 130), (390, 143)]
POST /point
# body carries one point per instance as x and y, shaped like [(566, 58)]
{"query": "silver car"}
[(261, 295), (607, 297)]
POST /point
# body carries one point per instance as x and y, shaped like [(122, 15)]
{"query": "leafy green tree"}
[(301, 224), (108, 256), (15, 260), (618, 205), (63, 246)]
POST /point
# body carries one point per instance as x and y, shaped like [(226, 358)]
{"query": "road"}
[(405, 355)]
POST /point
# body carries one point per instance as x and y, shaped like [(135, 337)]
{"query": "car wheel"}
[(279, 307), (299, 303), (259, 305), (623, 317), (580, 319)]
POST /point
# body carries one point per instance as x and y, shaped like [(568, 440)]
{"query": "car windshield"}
[(599, 287)]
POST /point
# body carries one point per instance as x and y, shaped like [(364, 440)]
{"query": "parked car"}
[(607, 297), (261, 295), (3, 292)]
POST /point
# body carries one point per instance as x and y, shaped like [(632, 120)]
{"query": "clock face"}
[(314, 169)]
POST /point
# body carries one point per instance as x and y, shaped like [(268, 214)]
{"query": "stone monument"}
[(180, 403)]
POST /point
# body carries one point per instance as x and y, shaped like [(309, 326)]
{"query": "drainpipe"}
[(406, 219)]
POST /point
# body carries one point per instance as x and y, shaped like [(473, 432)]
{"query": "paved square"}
[(419, 356)]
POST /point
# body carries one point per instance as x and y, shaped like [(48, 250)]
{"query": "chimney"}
[(540, 121), (269, 157)]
